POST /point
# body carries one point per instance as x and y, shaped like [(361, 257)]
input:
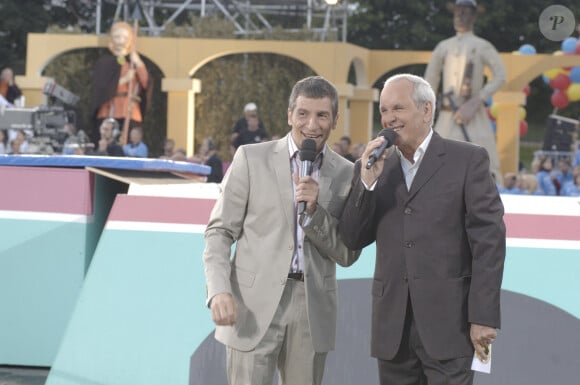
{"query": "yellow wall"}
[(180, 58)]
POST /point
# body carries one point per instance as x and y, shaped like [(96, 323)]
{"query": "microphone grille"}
[(308, 150), (390, 135)]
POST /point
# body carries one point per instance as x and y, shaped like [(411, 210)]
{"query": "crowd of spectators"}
[(544, 179)]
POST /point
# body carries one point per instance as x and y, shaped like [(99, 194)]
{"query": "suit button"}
[(405, 278), (408, 245), (408, 210)]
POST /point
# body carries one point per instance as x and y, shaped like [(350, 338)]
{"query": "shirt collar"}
[(293, 150), (420, 150)]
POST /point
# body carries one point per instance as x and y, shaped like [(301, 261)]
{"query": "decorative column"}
[(508, 128), (361, 114), (181, 111)]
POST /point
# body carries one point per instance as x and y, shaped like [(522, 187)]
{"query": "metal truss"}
[(248, 16)]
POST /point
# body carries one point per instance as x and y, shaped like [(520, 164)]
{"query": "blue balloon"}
[(527, 49), (545, 79), (575, 75), (569, 45), (493, 126)]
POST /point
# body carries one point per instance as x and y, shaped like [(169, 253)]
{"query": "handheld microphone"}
[(390, 137), (307, 156)]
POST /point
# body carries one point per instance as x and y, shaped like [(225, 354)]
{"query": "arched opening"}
[(229, 82), (73, 71)]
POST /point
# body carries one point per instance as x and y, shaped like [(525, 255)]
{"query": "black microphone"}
[(307, 156), (390, 137)]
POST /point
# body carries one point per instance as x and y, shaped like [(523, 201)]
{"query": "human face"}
[(400, 114), (463, 18), (311, 119), (121, 41), (107, 131)]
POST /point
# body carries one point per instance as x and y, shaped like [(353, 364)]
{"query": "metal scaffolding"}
[(247, 16)]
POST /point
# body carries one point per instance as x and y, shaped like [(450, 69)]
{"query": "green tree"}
[(19, 17)]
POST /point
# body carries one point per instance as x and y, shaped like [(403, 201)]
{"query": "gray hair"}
[(314, 87), (422, 91)]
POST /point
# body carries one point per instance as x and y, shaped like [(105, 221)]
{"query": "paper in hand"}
[(479, 366)]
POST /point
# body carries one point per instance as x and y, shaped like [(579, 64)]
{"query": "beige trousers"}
[(287, 346)]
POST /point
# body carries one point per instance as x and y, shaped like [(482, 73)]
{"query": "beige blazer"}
[(255, 210)]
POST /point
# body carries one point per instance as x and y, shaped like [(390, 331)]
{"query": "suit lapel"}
[(432, 161), (326, 176), (280, 161)]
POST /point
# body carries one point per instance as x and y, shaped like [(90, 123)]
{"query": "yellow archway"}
[(179, 58)]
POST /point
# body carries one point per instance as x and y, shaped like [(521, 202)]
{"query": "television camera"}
[(44, 125)]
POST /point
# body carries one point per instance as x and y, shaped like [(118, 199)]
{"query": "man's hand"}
[(306, 191), (370, 176), (223, 309), (481, 338), (467, 110)]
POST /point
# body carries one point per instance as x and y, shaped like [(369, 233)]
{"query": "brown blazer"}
[(441, 244)]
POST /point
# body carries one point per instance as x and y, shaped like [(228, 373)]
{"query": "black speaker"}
[(559, 133)]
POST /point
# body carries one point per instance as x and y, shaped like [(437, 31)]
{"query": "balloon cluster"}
[(565, 82)]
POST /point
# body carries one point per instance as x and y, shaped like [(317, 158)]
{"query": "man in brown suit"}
[(437, 219)]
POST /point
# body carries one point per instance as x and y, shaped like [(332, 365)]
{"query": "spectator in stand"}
[(168, 149), (248, 129), (4, 142), (563, 175), (357, 150), (336, 147), (108, 145), (250, 111), (75, 142), (179, 155), (510, 181), (209, 157), (253, 133), (528, 184), (8, 88), (544, 176), (136, 148), (576, 160), (19, 144), (572, 188), (345, 143)]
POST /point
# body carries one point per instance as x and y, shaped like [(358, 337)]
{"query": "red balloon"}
[(577, 50), (489, 115), (559, 99), (560, 82), (527, 90), (523, 128)]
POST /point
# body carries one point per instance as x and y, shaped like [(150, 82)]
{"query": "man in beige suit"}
[(275, 301)]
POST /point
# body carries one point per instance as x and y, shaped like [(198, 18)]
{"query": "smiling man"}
[(436, 216), (274, 301)]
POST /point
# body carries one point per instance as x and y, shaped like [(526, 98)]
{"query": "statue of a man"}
[(461, 60), (120, 80)]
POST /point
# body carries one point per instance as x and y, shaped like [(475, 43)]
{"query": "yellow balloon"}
[(522, 113), (558, 53), (551, 74), (493, 110), (573, 92)]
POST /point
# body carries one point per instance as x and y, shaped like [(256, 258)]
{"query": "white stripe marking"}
[(543, 243), (42, 216), (155, 226)]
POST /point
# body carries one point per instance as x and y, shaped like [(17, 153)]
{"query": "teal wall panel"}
[(42, 266)]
